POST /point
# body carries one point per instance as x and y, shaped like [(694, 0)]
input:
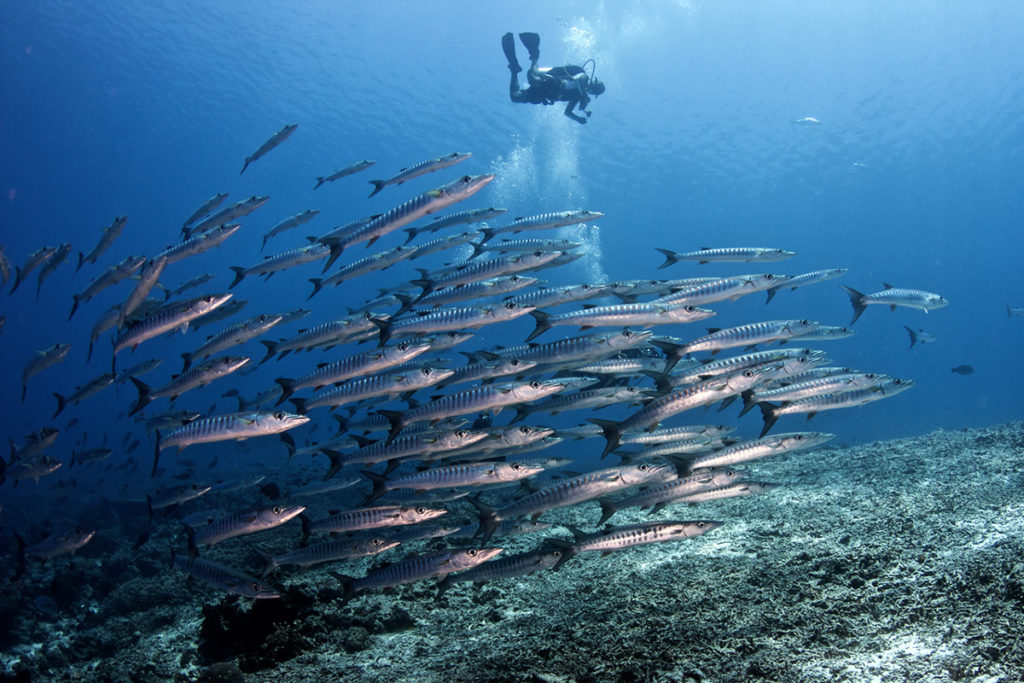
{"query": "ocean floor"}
[(897, 560)]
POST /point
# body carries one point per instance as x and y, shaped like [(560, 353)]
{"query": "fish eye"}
[(510, 305), (425, 371), (277, 509), (279, 415), (421, 510), (799, 437), (375, 541), (471, 552), (517, 466), (525, 430), (748, 373), (690, 309), (466, 178), (643, 468), (805, 322), (701, 525), (461, 433), (535, 384), (256, 587)]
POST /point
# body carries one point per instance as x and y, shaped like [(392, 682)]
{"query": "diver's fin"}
[(508, 44), (531, 41)]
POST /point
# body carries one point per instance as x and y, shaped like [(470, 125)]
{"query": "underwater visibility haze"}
[(268, 273)]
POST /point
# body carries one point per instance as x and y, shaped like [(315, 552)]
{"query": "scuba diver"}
[(569, 83)]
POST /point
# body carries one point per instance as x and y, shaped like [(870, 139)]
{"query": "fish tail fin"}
[(18, 277), (186, 360), (568, 550), (380, 483), (145, 395), (671, 257), (271, 349), (411, 232), (378, 185), (478, 248), (542, 323), (769, 415), (20, 570), (856, 300), (771, 295), (612, 434), (81, 261), (74, 305), (487, 233), (156, 454), (488, 518), (337, 462), (269, 564), (407, 303), (300, 405), (287, 389), (239, 275), (193, 551), (913, 336), (395, 418), (607, 510), (24, 390), (318, 284), (88, 356), (748, 402), (384, 327), (289, 442), (673, 353), (248, 160), (319, 181), (62, 403), (304, 520), (149, 507)]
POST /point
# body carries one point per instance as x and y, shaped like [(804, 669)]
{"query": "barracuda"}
[(676, 402), (417, 568), (367, 362), (504, 568), (571, 491), (205, 208), (475, 290), (223, 578), (225, 215), (452, 476), (202, 242), (833, 384), (331, 551), (347, 171), (474, 272), (243, 524), (172, 317), (444, 243), (805, 279), (458, 218), (466, 318), (556, 296), (893, 297), (481, 398), (427, 203), (369, 264), (272, 142), (326, 334), (725, 254), (506, 246), (422, 168), (236, 334), (111, 276), (370, 518), (199, 376), (42, 360), (362, 388), (148, 278), (558, 219), (761, 448), (289, 223), (565, 352), (90, 388), (110, 234), (816, 404), (283, 261), (725, 289), (750, 335), (640, 315), (488, 370), (229, 427), (655, 497)]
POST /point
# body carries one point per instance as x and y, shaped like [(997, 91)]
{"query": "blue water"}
[(912, 176)]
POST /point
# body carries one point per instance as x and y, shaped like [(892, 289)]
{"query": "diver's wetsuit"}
[(549, 84)]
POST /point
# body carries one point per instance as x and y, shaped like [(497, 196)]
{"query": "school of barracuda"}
[(398, 471)]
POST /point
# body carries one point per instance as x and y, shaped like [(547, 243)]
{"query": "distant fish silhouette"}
[(963, 370)]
